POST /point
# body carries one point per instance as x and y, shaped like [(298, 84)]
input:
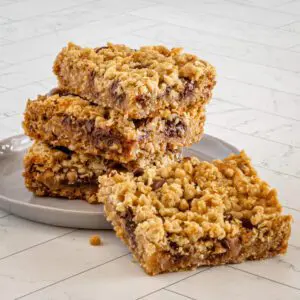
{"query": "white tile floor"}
[(255, 45)]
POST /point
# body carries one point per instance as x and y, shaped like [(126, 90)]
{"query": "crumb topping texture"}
[(193, 206), (136, 82), (74, 123)]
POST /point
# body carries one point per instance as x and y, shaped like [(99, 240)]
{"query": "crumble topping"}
[(192, 201), (136, 82)]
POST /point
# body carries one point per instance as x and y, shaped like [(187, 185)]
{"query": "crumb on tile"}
[(95, 240)]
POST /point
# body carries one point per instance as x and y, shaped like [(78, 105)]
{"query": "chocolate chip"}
[(106, 115), (173, 129), (189, 88), (225, 244), (100, 48), (138, 66), (140, 122), (130, 225), (92, 76), (80, 181), (63, 149), (99, 135), (89, 125), (119, 97), (59, 92), (157, 184), (177, 258), (247, 223), (233, 245), (173, 245), (138, 172), (142, 100), (67, 121), (168, 90)]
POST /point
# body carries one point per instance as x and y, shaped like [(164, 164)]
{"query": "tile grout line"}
[(188, 297), (271, 8), (140, 298), (260, 86), (227, 36), (275, 171), (71, 276), (11, 64), (73, 27), (257, 275), (254, 63), (230, 18), (45, 13), (232, 57), (145, 18), (294, 246), (36, 245), (291, 208), (256, 109), (256, 136)]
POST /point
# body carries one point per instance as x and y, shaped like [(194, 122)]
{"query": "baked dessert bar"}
[(193, 213), (138, 83), (69, 121), (59, 172)]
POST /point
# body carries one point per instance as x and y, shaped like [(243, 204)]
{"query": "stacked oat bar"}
[(115, 108), (112, 133)]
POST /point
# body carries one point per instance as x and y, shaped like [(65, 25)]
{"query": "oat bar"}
[(60, 172), (193, 213), (69, 121), (138, 83)]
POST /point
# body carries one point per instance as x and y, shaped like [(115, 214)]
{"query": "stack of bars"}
[(115, 108), (113, 132)]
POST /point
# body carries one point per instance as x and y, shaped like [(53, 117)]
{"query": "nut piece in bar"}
[(193, 213), (137, 83), (78, 125), (59, 172)]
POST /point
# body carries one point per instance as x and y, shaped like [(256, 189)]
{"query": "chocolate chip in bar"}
[(130, 226), (174, 129), (138, 172), (118, 97), (233, 245), (100, 48), (63, 149), (142, 100), (247, 223), (189, 88), (90, 125), (157, 184)]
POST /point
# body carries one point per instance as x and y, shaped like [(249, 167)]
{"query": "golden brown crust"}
[(194, 213), (135, 82), (74, 123), (60, 172)]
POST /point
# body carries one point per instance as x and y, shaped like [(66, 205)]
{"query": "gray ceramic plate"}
[(16, 199)]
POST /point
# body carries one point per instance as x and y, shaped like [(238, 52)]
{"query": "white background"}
[(255, 46)]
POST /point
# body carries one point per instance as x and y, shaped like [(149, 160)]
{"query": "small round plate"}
[(16, 199)]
